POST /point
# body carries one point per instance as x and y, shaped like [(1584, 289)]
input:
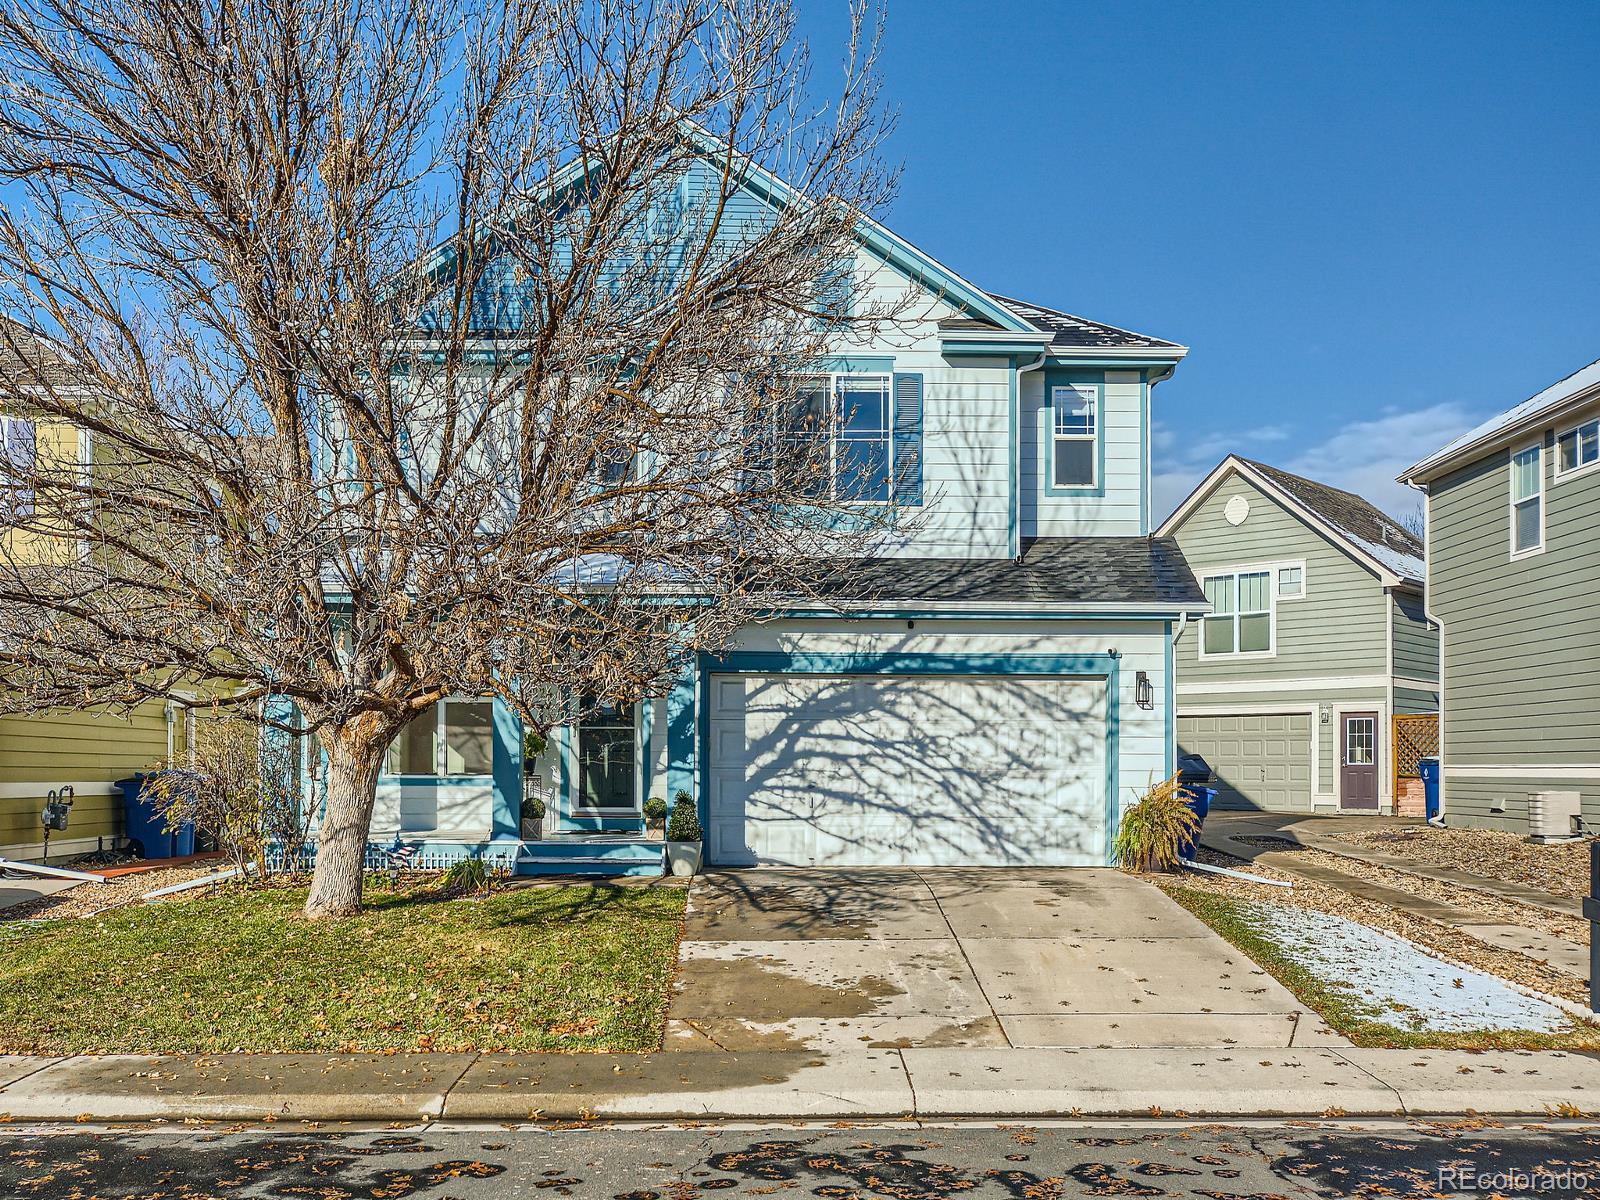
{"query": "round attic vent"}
[(1236, 510)]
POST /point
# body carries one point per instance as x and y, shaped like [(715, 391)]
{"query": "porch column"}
[(682, 729), (506, 814)]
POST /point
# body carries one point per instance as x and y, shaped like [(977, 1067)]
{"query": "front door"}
[(1358, 761)]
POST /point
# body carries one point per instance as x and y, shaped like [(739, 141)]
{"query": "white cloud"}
[(1363, 457)]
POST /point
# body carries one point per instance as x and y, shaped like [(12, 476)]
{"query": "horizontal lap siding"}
[(1338, 628), (54, 748), (1416, 644), (966, 461), (1122, 424)]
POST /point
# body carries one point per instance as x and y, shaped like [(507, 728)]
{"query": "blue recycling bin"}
[(1198, 797), (141, 823), (1428, 768)]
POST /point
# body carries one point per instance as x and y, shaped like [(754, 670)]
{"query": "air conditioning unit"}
[(1553, 816)]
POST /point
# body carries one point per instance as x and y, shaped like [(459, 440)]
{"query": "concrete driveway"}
[(901, 957)]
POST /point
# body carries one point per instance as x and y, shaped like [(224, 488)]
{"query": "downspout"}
[(1016, 453)]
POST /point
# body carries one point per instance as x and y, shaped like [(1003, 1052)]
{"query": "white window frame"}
[(575, 805), (7, 422), (1576, 431), (1512, 499), (1277, 582), (439, 752), (1270, 570), (837, 381), (1077, 392)]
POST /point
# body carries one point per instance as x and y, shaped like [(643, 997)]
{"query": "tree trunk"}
[(354, 763)]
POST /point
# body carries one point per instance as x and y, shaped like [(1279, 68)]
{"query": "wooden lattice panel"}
[(1415, 737)]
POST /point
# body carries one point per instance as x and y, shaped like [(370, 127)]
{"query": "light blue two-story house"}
[(990, 690)]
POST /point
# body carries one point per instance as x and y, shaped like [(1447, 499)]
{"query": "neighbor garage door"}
[(1261, 760), (868, 770)]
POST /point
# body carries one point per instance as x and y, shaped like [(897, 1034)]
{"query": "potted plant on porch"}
[(532, 818), (683, 837), (655, 816)]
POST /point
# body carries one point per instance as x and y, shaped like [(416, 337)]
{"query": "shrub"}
[(684, 823), (655, 810), (469, 877), (241, 789), (1155, 828), (532, 808)]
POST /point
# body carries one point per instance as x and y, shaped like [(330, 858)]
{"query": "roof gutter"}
[(1436, 464)]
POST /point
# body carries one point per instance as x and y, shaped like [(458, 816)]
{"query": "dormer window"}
[(1074, 458)]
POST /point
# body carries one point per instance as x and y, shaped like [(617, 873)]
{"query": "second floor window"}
[(1240, 621), (1527, 500), (18, 459), (1074, 459), (834, 437), (1578, 447)]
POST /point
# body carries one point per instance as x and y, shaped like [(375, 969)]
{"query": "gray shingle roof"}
[(1089, 570), (1359, 520), (1508, 422), (1069, 331)]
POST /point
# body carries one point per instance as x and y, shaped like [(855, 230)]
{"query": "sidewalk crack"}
[(961, 946), (444, 1100), (1383, 1083), (911, 1086), (54, 1062)]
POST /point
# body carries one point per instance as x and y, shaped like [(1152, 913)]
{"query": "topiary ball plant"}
[(684, 823), (1156, 828), (655, 810)]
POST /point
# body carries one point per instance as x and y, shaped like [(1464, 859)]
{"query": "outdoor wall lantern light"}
[(1143, 694)]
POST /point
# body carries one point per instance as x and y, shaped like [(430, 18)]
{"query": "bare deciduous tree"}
[(418, 348)]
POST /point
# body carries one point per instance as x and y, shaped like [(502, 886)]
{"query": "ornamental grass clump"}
[(1156, 828)]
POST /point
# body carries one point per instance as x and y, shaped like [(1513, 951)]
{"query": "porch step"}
[(590, 856)]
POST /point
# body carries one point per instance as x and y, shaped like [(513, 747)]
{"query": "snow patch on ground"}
[(1404, 986)]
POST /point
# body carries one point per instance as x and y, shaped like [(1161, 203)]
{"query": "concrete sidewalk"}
[(881, 1084)]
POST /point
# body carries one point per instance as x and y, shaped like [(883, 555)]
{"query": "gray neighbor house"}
[(1316, 637), (1514, 579)]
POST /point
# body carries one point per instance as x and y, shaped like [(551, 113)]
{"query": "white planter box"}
[(683, 858)]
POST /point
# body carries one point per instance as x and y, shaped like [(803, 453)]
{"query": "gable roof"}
[(1356, 525), (1069, 332), (1578, 388)]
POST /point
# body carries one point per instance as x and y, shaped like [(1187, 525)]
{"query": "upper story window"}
[(1578, 448), (835, 435), (18, 459), (1074, 457), (1241, 617), (1527, 500), (1291, 582)]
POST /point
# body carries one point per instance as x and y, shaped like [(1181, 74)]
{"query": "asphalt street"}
[(1151, 1159)]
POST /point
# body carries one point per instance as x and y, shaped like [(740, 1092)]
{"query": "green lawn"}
[(1343, 1008), (577, 967)]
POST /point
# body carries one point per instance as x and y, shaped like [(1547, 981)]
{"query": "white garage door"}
[(871, 770)]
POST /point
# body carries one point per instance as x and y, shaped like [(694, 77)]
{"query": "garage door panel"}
[(1260, 760), (860, 770)]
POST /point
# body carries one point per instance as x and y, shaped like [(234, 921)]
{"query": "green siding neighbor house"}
[(1317, 636), (1514, 571)]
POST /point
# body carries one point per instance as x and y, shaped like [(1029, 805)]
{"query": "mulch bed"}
[(1441, 939), (1562, 868)]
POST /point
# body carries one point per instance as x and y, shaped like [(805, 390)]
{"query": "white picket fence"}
[(386, 857)]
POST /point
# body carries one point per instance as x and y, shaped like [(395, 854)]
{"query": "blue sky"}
[(1374, 224)]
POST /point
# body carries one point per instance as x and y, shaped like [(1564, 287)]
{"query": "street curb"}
[(998, 1083)]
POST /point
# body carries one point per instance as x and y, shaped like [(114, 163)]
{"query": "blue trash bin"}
[(142, 824), (1428, 768), (1198, 797)]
